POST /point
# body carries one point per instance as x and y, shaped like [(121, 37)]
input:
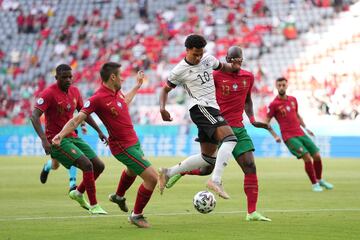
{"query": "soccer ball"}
[(204, 202)]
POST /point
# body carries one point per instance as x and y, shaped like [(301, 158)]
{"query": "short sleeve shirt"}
[(197, 80), (113, 111)]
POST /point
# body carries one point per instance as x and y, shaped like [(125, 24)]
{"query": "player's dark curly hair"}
[(62, 67), (195, 41), (280, 79), (107, 69)]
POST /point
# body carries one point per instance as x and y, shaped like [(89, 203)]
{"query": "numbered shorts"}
[(298, 146), (71, 149), (207, 119), (244, 143), (133, 158)]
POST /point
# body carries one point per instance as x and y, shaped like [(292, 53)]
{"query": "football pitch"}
[(31, 210)]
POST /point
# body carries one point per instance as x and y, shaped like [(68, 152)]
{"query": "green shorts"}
[(133, 158), (71, 149), (244, 143), (298, 146)]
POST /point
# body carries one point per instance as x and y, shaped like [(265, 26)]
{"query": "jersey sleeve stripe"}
[(219, 67)]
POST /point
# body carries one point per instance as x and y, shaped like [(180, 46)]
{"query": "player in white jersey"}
[(194, 73)]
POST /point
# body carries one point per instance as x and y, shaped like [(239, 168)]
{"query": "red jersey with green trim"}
[(58, 107), (112, 109), (285, 112), (231, 92)]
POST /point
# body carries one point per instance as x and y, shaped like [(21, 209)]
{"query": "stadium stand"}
[(277, 37)]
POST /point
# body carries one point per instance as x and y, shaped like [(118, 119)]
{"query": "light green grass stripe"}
[(182, 213)]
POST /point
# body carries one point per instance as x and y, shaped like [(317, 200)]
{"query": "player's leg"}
[(68, 154), (192, 163), (318, 171), (72, 178), (97, 168), (126, 180), (315, 154), (208, 150), (225, 135), (297, 148), (133, 158), (51, 164)]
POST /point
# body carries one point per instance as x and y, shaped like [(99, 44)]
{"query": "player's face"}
[(117, 80), (281, 86), (64, 79), (237, 66), (194, 55)]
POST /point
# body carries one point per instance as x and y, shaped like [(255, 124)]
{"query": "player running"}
[(194, 73), (233, 94), (111, 106), (285, 110), (58, 102)]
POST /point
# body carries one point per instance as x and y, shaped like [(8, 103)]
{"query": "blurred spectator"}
[(143, 9), (118, 13)]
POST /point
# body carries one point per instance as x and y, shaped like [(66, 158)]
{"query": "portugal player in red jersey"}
[(285, 110), (111, 106), (58, 102), (233, 94)]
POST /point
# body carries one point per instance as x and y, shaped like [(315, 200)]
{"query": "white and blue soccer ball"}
[(204, 202)]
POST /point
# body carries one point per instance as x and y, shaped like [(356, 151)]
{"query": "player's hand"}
[(140, 78), (103, 138), (310, 132), (277, 139), (261, 125), (84, 129), (56, 140), (166, 115), (47, 146)]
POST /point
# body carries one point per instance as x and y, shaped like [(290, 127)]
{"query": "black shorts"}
[(207, 119)]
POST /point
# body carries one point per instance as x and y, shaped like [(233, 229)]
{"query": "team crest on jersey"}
[(235, 86), (288, 108), (40, 101), (68, 107), (292, 104), (119, 104), (87, 104)]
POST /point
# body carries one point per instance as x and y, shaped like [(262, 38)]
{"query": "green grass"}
[(30, 210)]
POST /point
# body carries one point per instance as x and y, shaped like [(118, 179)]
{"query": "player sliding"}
[(285, 110), (233, 94), (194, 73), (111, 106)]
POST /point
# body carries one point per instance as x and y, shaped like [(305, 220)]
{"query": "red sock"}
[(89, 182), (124, 183), (309, 169), (251, 191), (192, 172), (318, 169), (81, 187), (143, 197)]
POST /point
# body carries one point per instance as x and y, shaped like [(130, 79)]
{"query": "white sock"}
[(190, 163), (223, 156), (78, 193)]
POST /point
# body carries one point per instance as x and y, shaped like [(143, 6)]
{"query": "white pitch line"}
[(11, 219)]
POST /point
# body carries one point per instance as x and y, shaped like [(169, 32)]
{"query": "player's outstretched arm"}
[(272, 132), (35, 120), (163, 98), (131, 94), (69, 127)]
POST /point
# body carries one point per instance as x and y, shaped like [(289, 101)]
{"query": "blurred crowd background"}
[(313, 43)]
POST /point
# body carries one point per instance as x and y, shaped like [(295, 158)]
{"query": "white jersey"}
[(197, 80)]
